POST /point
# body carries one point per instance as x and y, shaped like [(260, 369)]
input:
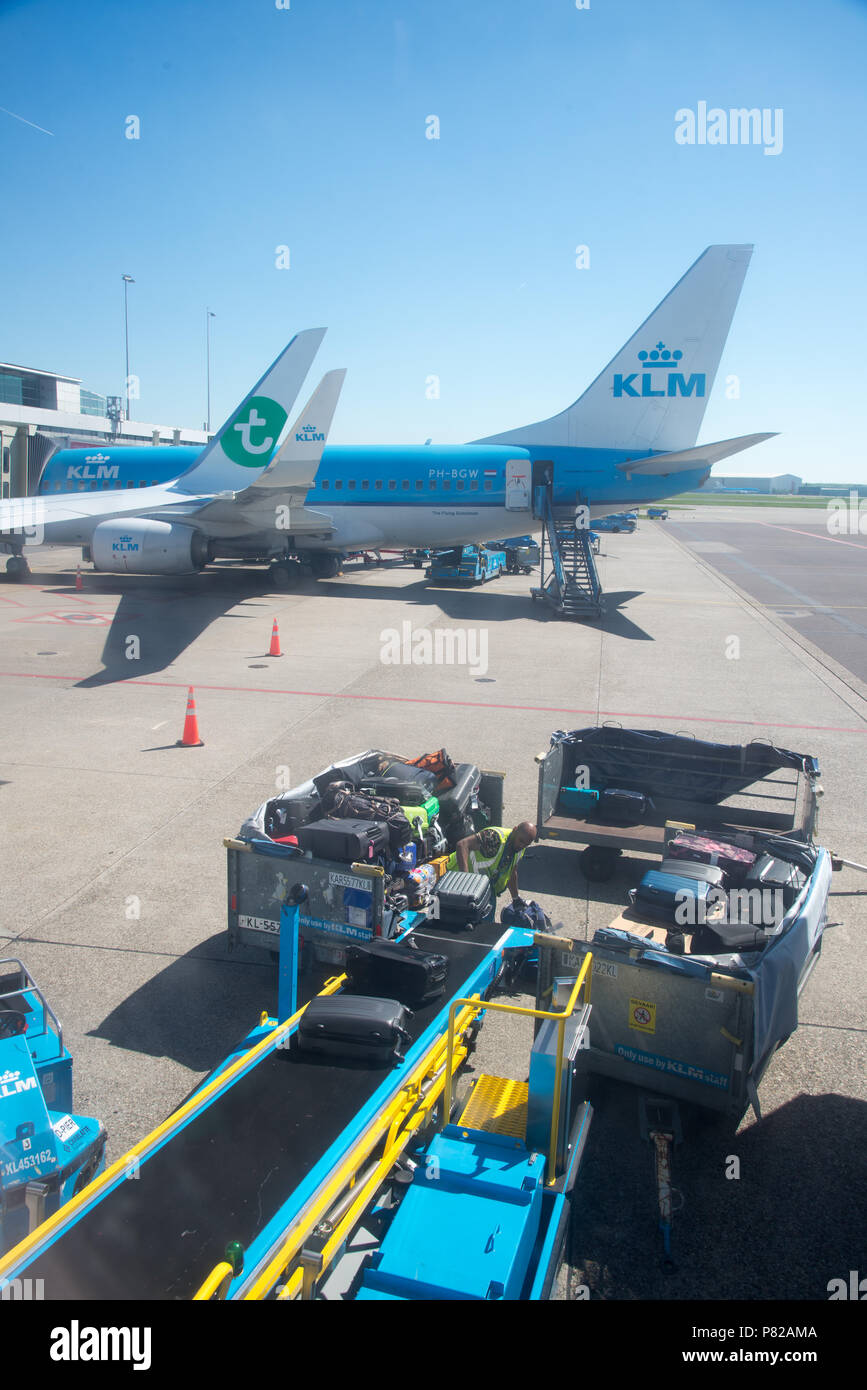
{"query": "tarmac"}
[(114, 871)]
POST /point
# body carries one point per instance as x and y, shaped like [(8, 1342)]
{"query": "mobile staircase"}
[(569, 583)]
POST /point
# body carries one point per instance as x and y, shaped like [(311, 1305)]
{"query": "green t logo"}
[(250, 438)]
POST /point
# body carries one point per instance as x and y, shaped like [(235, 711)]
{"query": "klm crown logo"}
[(660, 359)]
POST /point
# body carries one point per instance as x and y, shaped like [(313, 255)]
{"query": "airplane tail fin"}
[(653, 393), (245, 444), (294, 467)]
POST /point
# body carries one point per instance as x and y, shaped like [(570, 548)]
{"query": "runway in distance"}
[(629, 439)]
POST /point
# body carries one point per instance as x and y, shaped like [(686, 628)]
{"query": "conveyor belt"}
[(228, 1172)]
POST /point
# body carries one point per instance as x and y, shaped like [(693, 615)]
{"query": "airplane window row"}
[(100, 485), (433, 484)]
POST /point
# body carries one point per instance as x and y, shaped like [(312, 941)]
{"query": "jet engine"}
[(142, 546)]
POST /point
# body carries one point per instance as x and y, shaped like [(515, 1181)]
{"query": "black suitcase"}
[(355, 1028), (727, 938), (463, 898), (347, 841), (400, 971), (456, 803), (685, 868), (769, 872), (411, 785), (618, 807)]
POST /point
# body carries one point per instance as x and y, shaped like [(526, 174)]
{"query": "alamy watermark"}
[(847, 518), (739, 125), (442, 646)]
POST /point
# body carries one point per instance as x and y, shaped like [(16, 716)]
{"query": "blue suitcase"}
[(677, 900)]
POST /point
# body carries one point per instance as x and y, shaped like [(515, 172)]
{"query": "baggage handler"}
[(495, 852)]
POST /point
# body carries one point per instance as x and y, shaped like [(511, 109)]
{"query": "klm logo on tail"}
[(667, 382), (309, 435)]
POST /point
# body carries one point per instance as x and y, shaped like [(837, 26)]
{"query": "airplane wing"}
[(684, 460)]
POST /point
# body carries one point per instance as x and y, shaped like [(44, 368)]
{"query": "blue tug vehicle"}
[(47, 1152)]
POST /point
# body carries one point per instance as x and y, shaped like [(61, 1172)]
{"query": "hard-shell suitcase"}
[(620, 807), (396, 970), (703, 850), (679, 901), (688, 868), (347, 841), (355, 1028), (463, 898), (581, 799), (770, 872), (458, 800)]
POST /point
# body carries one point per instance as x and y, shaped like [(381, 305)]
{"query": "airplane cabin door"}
[(517, 485)]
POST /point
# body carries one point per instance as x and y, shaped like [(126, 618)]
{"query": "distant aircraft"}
[(629, 439)]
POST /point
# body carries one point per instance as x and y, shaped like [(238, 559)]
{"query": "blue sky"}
[(305, 127)]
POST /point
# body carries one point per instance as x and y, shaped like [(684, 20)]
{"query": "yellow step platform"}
[(498, 1106)]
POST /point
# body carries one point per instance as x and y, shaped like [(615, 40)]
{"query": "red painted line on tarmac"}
[(462, 704), (812, 534)]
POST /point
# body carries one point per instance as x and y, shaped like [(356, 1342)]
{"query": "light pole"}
[(209, 314), (127, 280)]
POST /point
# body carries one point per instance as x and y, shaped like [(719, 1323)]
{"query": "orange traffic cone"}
[(275, 641), (191, 726), (78, 583)]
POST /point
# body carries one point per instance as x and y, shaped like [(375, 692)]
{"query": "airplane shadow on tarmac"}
[(167, 614)]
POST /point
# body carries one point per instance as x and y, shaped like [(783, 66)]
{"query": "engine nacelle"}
[(143, 546)]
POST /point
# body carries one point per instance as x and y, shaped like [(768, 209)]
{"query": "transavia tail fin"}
[(687, 460), (294, 468), (653, 394), (246, 442)]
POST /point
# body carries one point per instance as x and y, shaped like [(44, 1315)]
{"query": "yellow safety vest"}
[(489, 864)]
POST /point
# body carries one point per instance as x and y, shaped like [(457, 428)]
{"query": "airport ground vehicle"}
[(345, 902), (618, 522), (47, 1153), (468, 564), (370, 1147), (657, 513)]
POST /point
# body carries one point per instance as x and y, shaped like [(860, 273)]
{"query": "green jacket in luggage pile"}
[(491, 859)]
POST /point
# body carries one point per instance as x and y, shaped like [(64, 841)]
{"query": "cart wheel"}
[(598, 865)]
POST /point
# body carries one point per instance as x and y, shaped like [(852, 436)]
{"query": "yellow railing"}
[(394, 1126), (583, 978), (130, 1160)]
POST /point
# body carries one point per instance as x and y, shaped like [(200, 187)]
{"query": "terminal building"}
[(42, 411), (750, 482)]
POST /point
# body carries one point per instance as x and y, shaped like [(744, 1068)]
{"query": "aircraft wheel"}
[(325, 566), (285, 574), (17, 568)]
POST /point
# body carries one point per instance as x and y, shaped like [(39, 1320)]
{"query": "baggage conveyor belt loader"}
[(254, 1188)]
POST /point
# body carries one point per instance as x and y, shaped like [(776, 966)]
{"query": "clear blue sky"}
[(455, 257)]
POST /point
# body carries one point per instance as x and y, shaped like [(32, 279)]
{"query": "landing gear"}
[(324, 566), (17, 568), (285, 574)]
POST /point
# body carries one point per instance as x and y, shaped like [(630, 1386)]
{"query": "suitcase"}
[(703, 850), (349, 805), (770, 872), (347, 841), (619, 807), (726, 938), (677, 900), (411, 785), (463, 898), (355, 1028), (579, 799), (688, 868), (457, 801), (417, 819), (399, 971)]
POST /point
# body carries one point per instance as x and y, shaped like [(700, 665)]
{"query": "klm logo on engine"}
[(124, 545), (309, 435), (661, 380)]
